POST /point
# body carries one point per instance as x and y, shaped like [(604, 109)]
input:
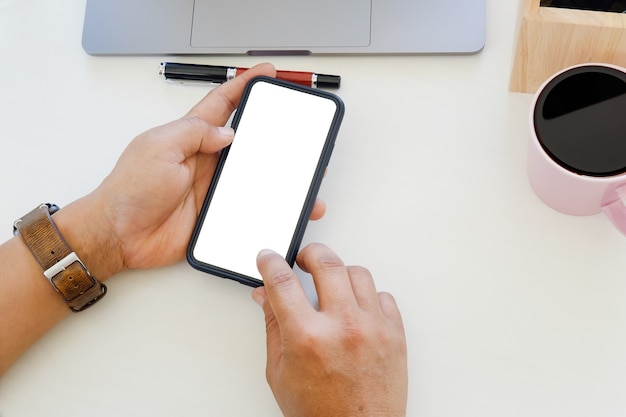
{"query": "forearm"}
[(29, 305)]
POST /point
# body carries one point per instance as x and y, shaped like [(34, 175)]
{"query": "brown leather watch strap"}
[(67, 274)]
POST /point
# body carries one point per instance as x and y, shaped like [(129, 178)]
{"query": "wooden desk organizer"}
[(551, 39)]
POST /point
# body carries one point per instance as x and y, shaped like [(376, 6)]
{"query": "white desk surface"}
[(510, 308)]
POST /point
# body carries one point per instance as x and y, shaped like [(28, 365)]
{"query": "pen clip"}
[(192, 82)]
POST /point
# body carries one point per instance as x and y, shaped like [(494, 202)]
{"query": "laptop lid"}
[(274, 27)]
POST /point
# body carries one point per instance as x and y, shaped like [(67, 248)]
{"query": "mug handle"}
[(616, 209)]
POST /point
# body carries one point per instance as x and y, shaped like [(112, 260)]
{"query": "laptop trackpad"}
[(266, 25)]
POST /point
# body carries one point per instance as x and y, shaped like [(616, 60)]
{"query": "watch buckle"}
[(61, 266)]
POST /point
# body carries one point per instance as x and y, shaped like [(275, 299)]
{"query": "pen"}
[(219, 74)]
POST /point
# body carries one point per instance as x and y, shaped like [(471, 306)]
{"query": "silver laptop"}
[(278, 27)]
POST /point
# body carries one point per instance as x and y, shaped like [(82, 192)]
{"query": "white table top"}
[(510, 308)]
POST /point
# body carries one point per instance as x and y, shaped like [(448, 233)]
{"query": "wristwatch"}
[(61, 266)]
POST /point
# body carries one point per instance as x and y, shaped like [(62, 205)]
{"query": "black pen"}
[(219, 74)]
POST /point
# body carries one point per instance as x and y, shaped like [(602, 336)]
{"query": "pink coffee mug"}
[(577, 147)]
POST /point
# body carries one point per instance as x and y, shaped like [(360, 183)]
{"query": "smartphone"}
[(266, 181)]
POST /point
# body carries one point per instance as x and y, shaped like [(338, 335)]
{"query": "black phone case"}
[(311, 195)]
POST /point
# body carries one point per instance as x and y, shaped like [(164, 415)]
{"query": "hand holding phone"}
[(266, 181)]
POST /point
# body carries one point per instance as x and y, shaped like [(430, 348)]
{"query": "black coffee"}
[(580, 120)]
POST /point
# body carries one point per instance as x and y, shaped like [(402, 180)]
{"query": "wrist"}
[(87, 230)]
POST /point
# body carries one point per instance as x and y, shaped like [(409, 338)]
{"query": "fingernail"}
[(226, 131), (265, 252)]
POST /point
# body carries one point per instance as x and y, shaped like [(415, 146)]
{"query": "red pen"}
[(220, 74)]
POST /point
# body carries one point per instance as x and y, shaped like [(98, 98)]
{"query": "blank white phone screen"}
[(265, 180)]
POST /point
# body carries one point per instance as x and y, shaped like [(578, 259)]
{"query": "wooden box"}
[(551, 39)]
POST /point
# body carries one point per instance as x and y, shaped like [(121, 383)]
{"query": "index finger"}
[(330, 275), (217, 106), (284, 290)]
